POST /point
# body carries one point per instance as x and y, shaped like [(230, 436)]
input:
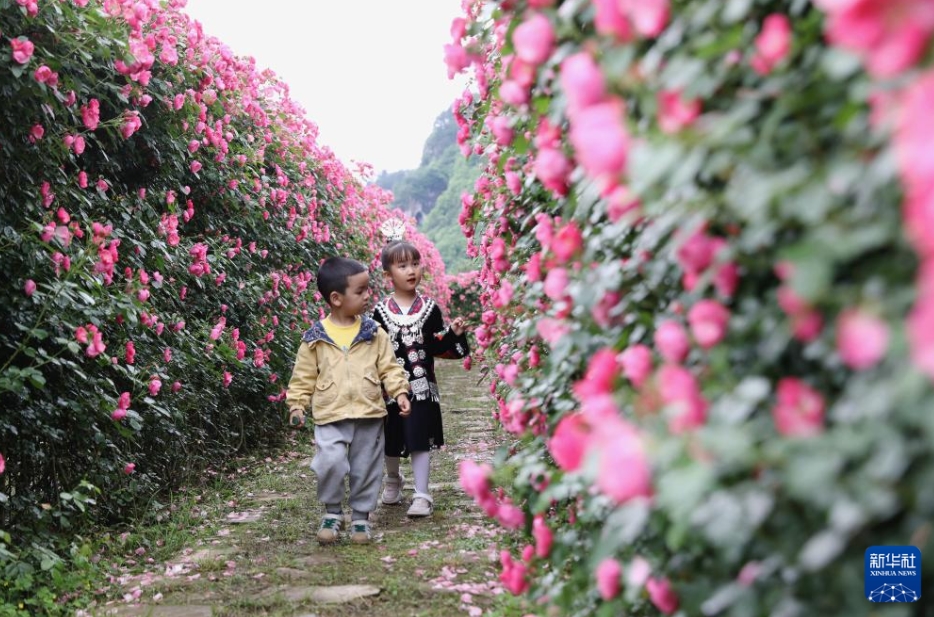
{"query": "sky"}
[(369, 73)]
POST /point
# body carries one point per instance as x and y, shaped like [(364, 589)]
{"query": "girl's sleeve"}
[(441, 340), (304, 376)]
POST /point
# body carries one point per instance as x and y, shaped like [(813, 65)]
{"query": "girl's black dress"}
[(418, 336)]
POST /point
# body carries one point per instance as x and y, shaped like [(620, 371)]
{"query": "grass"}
[(438, 567)]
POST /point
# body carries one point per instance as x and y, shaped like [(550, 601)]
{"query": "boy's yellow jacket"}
[(343, 385)]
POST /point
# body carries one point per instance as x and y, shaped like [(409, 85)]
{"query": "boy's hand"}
[(297, 418), (459, 325), (405, 408)]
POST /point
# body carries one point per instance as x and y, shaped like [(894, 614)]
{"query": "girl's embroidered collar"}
[(395, 309)]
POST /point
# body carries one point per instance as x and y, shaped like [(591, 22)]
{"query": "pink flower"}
[(600, 139), (474, 478), (543, 536), (799, 410), (609, 19), (708, 320), (154, 386), (552, 168), (129, 468), (672, 341), (227, 378), (679, 389), (891, 35), (118, 414), (551, 330), (123, 401), (556, 282), (91, 114), (608, 574), (567, 242), (569, 442), (29, 288), (639, 571), (773, 44), (534, 39), (636, 361), (602, 370), (862, 338), (676, 113), (623, 472), (456, 58), (2, 464), (510, 516), (582, 82), (662, 595), (22, 49), (649, 17), (131, 124), (513, 576)]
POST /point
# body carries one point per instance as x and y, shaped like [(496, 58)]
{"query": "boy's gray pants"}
[(353, 447)]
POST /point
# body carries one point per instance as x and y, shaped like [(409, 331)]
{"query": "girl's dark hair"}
[(396, 251), (333, 274)]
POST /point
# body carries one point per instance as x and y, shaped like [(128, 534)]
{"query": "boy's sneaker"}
[(360, 532), (422, 505), (330, 530), (392, 489)]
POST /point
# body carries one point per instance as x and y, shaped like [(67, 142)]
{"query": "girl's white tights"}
[(421, 465)]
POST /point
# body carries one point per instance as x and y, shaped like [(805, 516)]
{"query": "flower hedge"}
[(706, 233), (163, 209)]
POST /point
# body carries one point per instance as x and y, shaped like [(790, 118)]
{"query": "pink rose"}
[(861, 338), (2, 464), (474, 478), (609, 19), (556, 282), (29, 288), (582, 82), (534, 39), (22, 49), (567, 242), (675, 112), (636, 361), (623, 472), (600, 139), (799, 410), (569, 442), (708, 320), (552, 169), (649, 17), (118, 414), (602, 370), (672, 342), (608, 575), (773, 43), (129, 468), (662, 595), (543, 536)]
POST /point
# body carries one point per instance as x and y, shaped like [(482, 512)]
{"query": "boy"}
[(342, 365)]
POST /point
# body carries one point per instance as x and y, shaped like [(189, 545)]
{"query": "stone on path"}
[(247, 516), (337, 594), (157, 611)]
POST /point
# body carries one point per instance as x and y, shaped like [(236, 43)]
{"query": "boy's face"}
[(356, 298), (405, 274)]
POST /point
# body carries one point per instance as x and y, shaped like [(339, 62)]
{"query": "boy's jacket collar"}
[(316, 332)]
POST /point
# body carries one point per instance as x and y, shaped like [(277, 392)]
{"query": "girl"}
[(418, 335)]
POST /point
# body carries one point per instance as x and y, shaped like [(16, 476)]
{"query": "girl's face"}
[(406, 274)]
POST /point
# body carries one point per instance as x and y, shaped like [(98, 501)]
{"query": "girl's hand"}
[(459, 325)]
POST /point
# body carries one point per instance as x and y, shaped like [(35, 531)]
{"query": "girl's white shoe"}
[(422, 505)]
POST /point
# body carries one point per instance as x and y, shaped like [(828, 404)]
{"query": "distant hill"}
[(432, 192)]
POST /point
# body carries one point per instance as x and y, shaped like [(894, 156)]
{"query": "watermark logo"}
[(892, 574)]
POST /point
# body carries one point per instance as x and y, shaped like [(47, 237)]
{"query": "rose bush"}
[(708, 296), (163, 209)]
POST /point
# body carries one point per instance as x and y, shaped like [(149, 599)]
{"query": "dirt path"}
[(247, 547)]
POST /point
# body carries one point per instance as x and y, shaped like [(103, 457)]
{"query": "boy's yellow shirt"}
[(342, 336)]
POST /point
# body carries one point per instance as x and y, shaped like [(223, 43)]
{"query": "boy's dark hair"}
[(396, 251), (333, 274)]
